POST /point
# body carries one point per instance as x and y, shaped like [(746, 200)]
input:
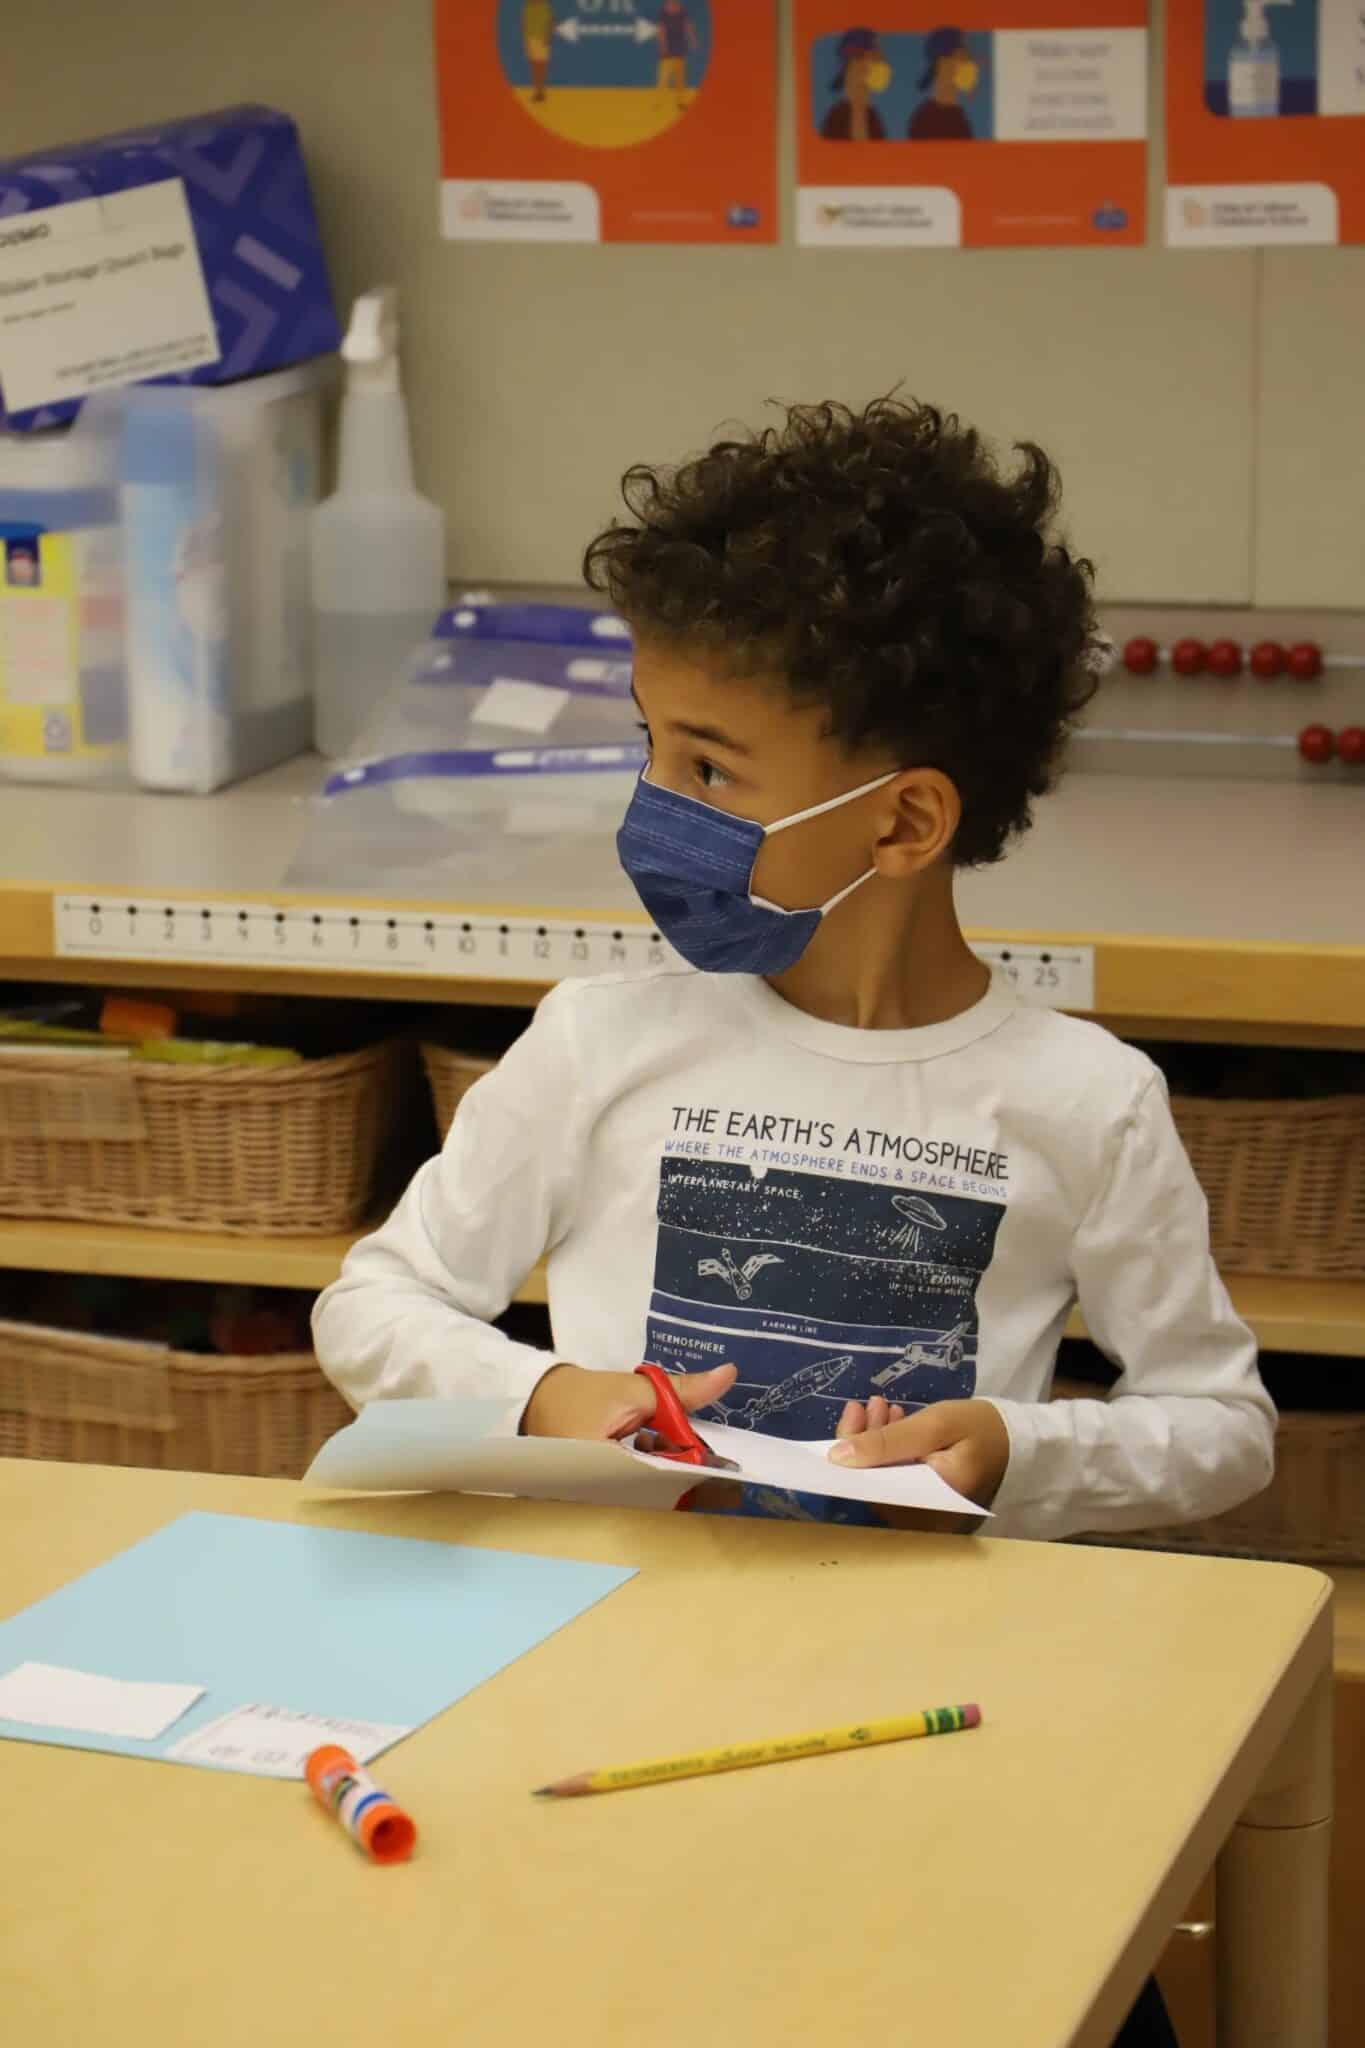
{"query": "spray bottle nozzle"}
[(370, 350)]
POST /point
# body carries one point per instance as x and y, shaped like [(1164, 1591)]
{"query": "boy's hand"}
[(571, 1401), (966, 1443)]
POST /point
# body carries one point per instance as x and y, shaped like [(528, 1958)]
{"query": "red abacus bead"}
[(1140, 656), (1316, 744), (1305, 661), (1267, 660), (1225, 658), (1188, 657), (1351, 745)]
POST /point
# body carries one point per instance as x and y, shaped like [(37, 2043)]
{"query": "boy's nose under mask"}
[(692, 867)]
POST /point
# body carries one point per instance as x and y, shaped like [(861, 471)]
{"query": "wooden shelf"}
[(1295, 1315), (148, 1254), (1287, 1315)]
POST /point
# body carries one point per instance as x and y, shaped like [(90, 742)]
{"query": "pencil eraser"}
[(971, 1717)]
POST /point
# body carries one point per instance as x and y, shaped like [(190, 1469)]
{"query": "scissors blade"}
[(653, 1445)]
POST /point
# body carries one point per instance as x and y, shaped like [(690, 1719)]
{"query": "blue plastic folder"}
[(321, 1621)]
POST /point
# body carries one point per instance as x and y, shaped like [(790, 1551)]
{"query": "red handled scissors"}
[(672, 1427)]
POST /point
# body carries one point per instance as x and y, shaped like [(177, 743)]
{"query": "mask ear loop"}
[(834, 803)]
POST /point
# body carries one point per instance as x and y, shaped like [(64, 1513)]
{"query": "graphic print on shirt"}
[(819, 1287)]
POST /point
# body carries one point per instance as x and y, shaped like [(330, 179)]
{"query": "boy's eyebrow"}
[(710, 734)]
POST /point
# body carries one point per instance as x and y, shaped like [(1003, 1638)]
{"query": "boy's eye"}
[(711, 777)]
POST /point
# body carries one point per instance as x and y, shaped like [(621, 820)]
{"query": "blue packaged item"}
[(251, 211)]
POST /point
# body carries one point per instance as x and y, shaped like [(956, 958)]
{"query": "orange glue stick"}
[(368, 1815)]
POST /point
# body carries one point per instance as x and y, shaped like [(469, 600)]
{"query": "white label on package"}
[(523, 707), (273, 1742), (101, 292)]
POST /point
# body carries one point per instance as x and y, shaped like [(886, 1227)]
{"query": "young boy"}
[(831, 1173)]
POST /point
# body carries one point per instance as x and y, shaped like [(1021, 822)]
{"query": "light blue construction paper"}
[(325, 1621)]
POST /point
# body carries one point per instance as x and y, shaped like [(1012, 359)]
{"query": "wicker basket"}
[(1285, 1182), (452, 1075), (98, 1400), (293, 1150)]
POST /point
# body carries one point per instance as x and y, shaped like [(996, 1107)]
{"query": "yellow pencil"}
[(858, 1735)]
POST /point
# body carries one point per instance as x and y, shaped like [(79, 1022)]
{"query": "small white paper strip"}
[(519, 706), (272, 1742), (54, 1696)]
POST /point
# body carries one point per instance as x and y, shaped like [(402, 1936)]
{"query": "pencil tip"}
[(543, 1792)]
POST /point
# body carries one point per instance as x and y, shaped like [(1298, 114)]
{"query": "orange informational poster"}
[(1265, 122), (1012, 122), (608, 120)]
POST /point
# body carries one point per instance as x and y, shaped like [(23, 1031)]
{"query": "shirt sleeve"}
[(411, 1312), (1188, 1431)]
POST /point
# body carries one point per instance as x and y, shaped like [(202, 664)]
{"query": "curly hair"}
[(880, 564)]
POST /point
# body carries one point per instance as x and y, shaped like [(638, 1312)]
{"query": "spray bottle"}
[(1254, 64), (378, 546)]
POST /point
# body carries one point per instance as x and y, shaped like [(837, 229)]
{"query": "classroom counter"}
[(1186, 908)]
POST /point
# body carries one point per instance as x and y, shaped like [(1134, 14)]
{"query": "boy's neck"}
[(880, 963)]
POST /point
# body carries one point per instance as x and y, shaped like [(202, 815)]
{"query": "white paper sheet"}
[(451, 1446), (54, 1696), (801, 1465), (272, 1742)]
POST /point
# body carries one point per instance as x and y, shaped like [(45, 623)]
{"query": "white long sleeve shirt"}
[(718, 1177)]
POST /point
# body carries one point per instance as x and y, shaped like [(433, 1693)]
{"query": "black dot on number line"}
[(1046, 959), (580, 933), (616, 938), (427, 925), (279, 917), (355, 924), (316, 918), (206, 913), (541, 932), (241, 917), (466, 927), (504, 931), (1007, 956)]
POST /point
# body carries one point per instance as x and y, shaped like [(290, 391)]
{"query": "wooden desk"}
[(1006, 1889)]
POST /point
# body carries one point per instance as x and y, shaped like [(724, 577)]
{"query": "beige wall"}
[(1206, 409)]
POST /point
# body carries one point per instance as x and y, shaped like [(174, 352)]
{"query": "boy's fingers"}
[(699, 1389), (903, 1443), (852, 1420)]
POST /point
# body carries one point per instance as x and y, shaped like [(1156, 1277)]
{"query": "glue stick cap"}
[(381, 1828)]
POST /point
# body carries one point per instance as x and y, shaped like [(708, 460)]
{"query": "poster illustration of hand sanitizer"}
[(1265, 123), (1267, 58)]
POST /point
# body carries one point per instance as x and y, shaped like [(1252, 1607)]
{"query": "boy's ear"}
[(920, 823)]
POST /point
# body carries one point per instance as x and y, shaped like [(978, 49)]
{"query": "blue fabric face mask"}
[(692, 867)]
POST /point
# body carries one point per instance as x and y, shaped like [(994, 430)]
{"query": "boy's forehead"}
[(673, 678)]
